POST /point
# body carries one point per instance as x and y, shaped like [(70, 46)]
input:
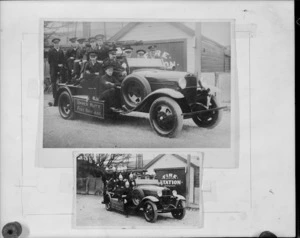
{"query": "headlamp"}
[(182, 83), (174, 192), (159, 193)]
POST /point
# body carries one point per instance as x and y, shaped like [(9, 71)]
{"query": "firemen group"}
[(120, 186), (92, 64)]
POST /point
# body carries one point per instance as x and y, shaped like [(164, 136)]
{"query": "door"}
[(173, 52)]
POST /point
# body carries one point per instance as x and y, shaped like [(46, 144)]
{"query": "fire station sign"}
[(173, 178)]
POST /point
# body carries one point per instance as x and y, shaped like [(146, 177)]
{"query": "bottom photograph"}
[(137, 190)]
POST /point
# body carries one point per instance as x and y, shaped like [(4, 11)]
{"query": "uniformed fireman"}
[(91, 74), (107, 87), (102, 50), (140, 53), (119, 71), (152, 52), (127, 51), (79, 58), (131, 181), (56, 61), (71, 56)]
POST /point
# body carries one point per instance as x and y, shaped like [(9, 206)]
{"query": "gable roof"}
[(177, 25), (158, 157), (131, 25)]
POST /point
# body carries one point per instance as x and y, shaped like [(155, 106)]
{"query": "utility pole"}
[(198, 48), (187, 179)]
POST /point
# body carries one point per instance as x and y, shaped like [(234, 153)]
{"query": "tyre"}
[(150, 211), (134, 89), (65, 106), (180, 213), (137, 196), (207, 120), (166, 117)]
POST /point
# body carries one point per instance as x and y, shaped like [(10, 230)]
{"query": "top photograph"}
[(137, 84)]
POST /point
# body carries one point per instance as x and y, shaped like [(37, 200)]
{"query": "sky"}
[(217, 31)]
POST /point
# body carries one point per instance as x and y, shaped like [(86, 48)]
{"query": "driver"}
[(107, 87), (119, 71)]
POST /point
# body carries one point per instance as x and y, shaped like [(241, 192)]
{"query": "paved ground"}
[(126, 132), (91, 212)]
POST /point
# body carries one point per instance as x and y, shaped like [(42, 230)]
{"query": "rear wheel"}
[(180, 212), (150, 211), (210, 119), (166, 117), (65, 106)]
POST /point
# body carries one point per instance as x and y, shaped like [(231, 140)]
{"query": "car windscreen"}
[(145, 63)]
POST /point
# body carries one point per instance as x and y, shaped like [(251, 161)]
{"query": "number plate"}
[(91, 108)]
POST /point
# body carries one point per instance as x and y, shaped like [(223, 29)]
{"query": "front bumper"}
[(191, 114)]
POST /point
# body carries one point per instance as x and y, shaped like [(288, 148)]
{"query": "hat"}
[(55, 40), (99, 37), (81, 40), (112, 50), (128, 47), (152, 47), (92, 53), (141, 50), (92, 39), (73, 39)]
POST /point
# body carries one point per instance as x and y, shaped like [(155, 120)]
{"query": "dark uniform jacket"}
[(94, 68), (55, 57), (118, 69), (102, 83), (71, 53), (102, 52)]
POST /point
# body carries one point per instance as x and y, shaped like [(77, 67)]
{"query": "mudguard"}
[(60, 90), (151, 198), (144, 106), (179, 197)]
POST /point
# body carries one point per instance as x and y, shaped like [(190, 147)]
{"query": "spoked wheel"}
[(150, 211), (134, 89), (208, 119), (180, 212), (166, 117), (65, 106)]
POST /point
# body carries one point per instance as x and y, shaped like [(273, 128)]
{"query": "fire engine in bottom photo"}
[(163, 189)]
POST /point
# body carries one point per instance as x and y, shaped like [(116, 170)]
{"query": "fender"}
[(179, 197), (151, 198), (144, 106), (59, 91)]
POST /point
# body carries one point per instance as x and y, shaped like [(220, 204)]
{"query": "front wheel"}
[(166, 117), (65, 106), (209, 119), (150, 211), (180, 212)]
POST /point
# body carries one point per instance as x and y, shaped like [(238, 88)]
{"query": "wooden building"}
[(172, 169), (176, 42)]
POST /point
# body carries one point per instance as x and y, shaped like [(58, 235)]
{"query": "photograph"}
[(149, 84), (137, 190)]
